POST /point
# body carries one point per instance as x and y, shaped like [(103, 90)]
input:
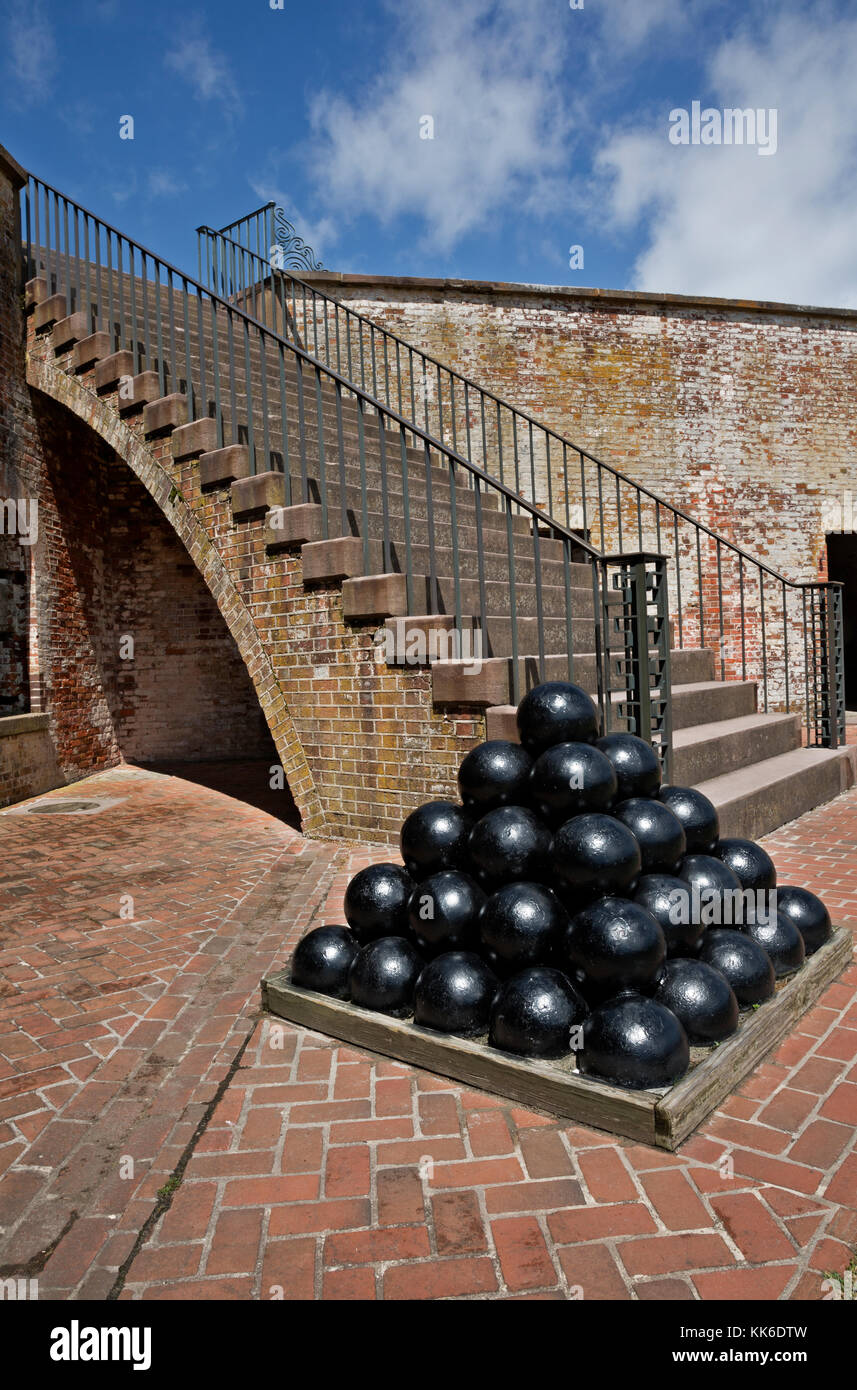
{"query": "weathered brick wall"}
[(28, 762), (361, 744), (14, 558), (741, 414), (106, 566), (181, 691)]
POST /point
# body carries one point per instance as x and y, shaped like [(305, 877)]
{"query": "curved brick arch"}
[(134, 451)]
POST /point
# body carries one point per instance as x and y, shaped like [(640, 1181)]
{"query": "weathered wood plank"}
[(687, 1103), (662, 1118)]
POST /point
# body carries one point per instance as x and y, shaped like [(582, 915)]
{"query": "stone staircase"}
[(418, 546)]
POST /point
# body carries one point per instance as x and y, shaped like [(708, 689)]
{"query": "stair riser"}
[(497, 599), (730, 700), (764, 808), (719, 756)]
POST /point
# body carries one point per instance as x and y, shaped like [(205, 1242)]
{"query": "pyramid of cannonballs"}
[(570, 904)]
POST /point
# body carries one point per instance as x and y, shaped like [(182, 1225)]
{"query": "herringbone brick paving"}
[(313, 1170)]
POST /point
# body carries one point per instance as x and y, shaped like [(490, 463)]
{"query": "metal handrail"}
[(822, 648), (472, 385), (245, 273), (77, 271)]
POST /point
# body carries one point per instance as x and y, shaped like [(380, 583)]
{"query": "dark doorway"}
[(842, 566)]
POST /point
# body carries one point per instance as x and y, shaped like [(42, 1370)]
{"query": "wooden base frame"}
[(663, 1118)]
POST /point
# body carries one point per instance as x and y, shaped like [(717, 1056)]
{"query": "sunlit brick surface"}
[(314, 1170)]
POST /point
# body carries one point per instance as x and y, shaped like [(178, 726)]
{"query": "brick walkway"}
[(310, 1170)]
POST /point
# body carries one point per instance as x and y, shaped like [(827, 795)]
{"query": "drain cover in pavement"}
[(63, 806)]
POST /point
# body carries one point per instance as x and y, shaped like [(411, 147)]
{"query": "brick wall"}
[(185, 692), (739, 414), (28, 762), (107, 566), (742, 414)]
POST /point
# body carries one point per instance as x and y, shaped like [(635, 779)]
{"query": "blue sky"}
[(551, 130)]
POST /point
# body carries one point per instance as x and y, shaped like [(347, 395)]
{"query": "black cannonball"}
[(522, 924), (534, 1013), (658, 832), (635, 763), (701, 998), (434, 837), (617, 945), (383, 975), (781, 939), (717, 897), (697, 814), (454, 994), (376, 902), (668, 900), (556, 712), (745, 964), (808, 913), (322, 960), (634, 1042), (443, 911), (494, 774), (508, 844), (569, 779), (749, 863), (595, 854)]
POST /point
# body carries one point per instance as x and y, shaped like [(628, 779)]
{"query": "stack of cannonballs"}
[(570, 905)]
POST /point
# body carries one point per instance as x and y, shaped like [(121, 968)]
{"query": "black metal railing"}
[(418, 506), (721, 596), (306, 409)]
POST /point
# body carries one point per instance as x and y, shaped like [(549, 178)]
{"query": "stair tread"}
[(781, 768), (726, 728), (704, 687)]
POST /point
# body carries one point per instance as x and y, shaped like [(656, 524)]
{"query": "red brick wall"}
[(28, 764), (186, 693), (106, 564), (743, 415)]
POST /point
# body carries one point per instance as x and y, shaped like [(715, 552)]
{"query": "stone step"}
[(493, 521), (490, 683), (715, 749), (496, 580), (495, 547), (752, 801), (492, 639), (704, 701), (553, 598), (687, 706)]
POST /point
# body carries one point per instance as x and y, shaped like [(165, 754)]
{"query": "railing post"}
[(635, 610), (833, 674)]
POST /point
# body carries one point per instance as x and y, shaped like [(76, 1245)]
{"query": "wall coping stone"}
[(11, 724), (647, 299), (12, 169)]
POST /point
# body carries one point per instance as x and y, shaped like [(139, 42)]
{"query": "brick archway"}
[(101, 417)]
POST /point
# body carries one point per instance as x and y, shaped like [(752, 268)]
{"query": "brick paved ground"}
[(311, 1170)]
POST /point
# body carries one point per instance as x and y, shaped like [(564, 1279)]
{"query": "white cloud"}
[(722, 220), (492, 75), (32, 60), (628, 24), (163, 184), (206, 71)]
